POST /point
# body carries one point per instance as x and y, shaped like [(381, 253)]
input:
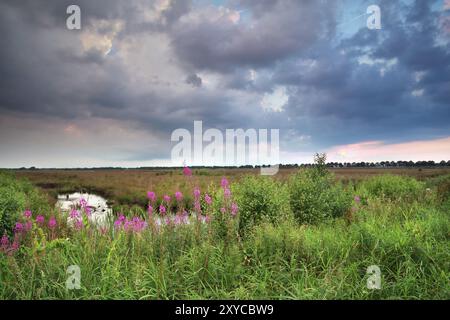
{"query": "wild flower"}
[(208, 199), (40, 220), (83, 203), (187, 172), (121, 218), (79, 223), (223, 210), (357, 199), (162, 209), (234, 209), (197, 207), (18, 228), (152, 196), (166, 198), (5, 242), (28, 226), (117, 224), (27, 214), (52, 223), (196, 193), (178, 196), (74, 214), (15, 245), (227, 193), (224, 183), (88, 211)]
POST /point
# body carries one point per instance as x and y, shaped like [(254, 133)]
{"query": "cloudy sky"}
[(112, 93)]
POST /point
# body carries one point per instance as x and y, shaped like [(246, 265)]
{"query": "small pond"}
[(100, 211)]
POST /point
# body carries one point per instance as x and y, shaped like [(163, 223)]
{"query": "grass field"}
[(308, 234)]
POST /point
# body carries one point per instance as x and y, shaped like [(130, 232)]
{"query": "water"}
[(100, 211)]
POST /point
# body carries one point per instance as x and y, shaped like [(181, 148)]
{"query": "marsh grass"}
[(275, 259)]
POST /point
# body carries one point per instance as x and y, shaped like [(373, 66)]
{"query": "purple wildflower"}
[(162, 210), (234, 209), (357, 199), (227, 193), (166, 198), (40, 220), (178, 196), (52, 223), (28, 226), (27, 214), (208, 199), (187, 172), (74, 214), (19, 227), (196, 192), (152, 196), (224, 183)]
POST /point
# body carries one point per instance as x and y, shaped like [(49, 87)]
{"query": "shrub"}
[(260, 199), (15, 197), (314, 196), (392, 187)]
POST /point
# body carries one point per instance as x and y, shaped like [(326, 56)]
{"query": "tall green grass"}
[(278, 256)]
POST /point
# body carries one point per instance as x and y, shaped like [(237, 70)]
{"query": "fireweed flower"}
[(40, 220), (227, 193), (19, 227), (166, 198), (196, 193), (224, 183), (117, 224), (162, 210), (83, 202), (79, 224), (4, 242), (52, 223), (15, 245), (74, 214), (187, 172), (208, 199), (28, 226), (27, 214), (178, 196), (197, 207), (223, 210), (234, 209), (357, 199), (152, 196)]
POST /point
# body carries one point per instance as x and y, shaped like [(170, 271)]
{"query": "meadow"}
[(228, 234)]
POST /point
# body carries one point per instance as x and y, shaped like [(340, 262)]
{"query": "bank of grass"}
[(276, 257)]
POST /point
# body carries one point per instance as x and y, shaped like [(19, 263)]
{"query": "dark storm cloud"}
[(194, 80), (279, 30), (389, 84)]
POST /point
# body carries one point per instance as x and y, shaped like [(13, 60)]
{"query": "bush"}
[(260, 199), (392, 187), (314, 196), (15, 197)]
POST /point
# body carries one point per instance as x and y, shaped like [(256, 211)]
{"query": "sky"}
[(112, 93)]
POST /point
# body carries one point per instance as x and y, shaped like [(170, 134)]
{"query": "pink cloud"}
[(371, 151), (447, 5)]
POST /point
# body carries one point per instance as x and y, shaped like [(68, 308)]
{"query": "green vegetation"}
[(15, 197), (306, 237)]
